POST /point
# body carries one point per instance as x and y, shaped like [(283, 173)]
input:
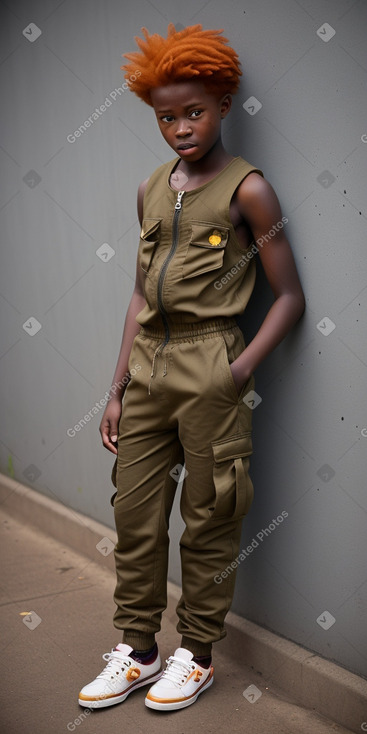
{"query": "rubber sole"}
[(99, 703), (159, 706)]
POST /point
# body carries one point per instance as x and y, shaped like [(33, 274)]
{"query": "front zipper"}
[(168, 259)]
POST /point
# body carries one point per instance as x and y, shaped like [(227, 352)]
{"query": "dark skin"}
[(190, 120)]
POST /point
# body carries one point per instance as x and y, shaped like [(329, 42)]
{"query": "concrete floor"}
[(44, 665)]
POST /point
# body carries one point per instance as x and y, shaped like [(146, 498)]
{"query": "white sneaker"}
[(180, 683), (121, 675)]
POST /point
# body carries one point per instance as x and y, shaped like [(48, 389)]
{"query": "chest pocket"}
[(149, 238), (206, 248)]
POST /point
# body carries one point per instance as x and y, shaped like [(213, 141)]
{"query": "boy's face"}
[(189, 117)]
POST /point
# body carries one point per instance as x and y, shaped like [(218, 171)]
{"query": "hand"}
[(109, 424), (238, 376)]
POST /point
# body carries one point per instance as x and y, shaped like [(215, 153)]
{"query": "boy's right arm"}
[(109, 424)]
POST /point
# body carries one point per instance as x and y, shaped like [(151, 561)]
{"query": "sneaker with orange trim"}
[(180, 683), (121, 676)]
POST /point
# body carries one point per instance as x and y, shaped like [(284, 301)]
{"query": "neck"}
[(213, 161)]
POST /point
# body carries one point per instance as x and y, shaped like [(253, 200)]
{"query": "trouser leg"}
[(148, 449), (207, 547), (215, 430)]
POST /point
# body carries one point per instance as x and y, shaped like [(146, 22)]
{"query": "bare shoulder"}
[(254, 183), (258, 203), (256, 194)]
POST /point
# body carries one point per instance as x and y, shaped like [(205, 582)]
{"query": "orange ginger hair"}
[(184, 55)]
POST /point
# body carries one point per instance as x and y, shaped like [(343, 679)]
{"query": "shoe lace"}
[(177, 670), (116, 662)]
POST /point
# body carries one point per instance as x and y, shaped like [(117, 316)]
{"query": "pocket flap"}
[(149, 227), (233, 487), (206, 248), (149, 239), (233, 448), (209, 235)]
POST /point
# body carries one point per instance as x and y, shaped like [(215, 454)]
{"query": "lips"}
[(185, 146)]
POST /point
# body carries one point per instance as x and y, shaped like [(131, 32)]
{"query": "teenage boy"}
[(200, 214)]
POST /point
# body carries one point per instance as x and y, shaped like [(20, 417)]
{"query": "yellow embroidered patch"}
[(215, 238)]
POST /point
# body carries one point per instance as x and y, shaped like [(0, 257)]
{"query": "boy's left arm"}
[(260, 208)]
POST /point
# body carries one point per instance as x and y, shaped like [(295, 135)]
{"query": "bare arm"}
[(260, 207), (109, 424)]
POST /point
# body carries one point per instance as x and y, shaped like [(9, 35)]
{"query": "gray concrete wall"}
[(69, 240)]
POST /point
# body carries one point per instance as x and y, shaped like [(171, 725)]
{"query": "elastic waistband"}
[(190, 331)]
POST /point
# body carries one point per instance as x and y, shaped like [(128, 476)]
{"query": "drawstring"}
[(159, 348), (153, 365)]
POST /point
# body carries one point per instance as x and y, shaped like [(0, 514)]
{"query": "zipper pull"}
[(178, 202)]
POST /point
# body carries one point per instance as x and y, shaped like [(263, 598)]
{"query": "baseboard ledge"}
[(318, 684)]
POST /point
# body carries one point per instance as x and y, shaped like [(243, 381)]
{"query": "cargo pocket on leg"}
[(114, 481), (233, 487)]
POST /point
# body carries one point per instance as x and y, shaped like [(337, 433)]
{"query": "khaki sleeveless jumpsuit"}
[(181, 409)]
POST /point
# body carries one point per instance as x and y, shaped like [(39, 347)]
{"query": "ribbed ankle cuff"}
[(196, 647), (138, 640)]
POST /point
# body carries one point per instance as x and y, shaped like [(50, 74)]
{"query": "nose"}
[(183, 128)]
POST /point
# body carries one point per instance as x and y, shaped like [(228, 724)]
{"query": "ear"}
[(225, 105)]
